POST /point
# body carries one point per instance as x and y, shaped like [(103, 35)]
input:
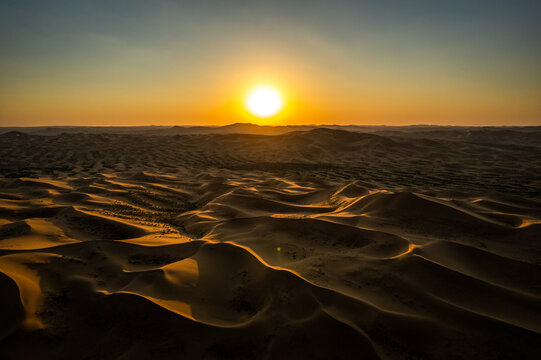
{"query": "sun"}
[(264, 101)]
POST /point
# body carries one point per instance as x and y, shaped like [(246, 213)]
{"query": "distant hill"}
[(529, 133)]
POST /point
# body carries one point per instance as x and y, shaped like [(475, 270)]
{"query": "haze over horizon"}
[(192, 63)]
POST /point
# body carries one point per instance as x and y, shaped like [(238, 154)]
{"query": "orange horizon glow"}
[(306, 103), (303, 106)]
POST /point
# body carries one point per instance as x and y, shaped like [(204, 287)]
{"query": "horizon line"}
[(254, 124)]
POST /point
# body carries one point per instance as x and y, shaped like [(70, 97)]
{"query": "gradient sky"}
[(166, 62)]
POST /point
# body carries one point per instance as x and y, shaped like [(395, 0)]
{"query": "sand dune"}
[(315, 244)]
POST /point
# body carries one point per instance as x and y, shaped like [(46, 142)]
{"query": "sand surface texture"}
[(319, 244)]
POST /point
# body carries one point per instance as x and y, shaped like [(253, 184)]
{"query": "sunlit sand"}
[(323, 241)]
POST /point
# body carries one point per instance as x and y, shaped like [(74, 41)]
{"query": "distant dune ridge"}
[(247, 242)]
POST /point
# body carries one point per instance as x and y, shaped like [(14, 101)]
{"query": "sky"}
[(172, 62)]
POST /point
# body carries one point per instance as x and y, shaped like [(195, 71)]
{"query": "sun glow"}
[(264, 101)]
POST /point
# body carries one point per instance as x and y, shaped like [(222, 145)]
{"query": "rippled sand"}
[(320, 244)]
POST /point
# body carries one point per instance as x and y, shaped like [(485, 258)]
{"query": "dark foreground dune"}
[(321, 244)]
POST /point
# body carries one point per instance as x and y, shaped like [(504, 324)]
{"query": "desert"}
[(248, 242)]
